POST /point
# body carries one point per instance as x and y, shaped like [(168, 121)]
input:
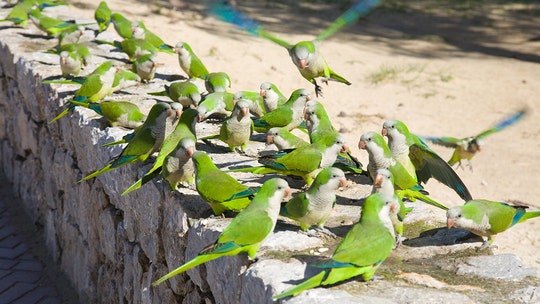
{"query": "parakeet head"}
[(303, 54), (393, 128)]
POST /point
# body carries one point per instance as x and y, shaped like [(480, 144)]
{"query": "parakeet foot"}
[(399, 240), (318, 91), (487, 245)]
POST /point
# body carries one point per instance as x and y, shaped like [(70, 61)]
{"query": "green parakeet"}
[(139, 31), (320, 128), (189, 62), (70, 63), (178, 166), (95, 87), (420, 161), (306, 161), (487, 218), (122, 25), (117, 113), (363, 249), (147, 140), (380, 157), (236, 130), (123, 79), (222, 191), (284, 139), (102, 14), (80, 50), (289, 116), (466, 148), (247, 231), (51, 26), (305, 54), (19, 13), (185, 92), (72, 35), (145, 66), (184, 128), (217, 82), (384, 185), (272, 96), (256, 107), (313, 206), (221, 103)]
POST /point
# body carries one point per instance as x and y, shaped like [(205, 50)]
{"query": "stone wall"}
[(112, 247)]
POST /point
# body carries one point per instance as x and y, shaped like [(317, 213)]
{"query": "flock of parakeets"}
[(398, 166)]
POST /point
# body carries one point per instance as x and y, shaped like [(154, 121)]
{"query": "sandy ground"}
[(450, 71)]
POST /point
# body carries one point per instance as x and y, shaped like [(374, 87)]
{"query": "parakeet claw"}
[(486, 245), (318, 90), (399, 240)]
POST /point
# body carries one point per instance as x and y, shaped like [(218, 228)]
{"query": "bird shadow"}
[(442, 237)]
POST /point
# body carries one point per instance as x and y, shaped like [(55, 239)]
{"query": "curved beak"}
[(384, 132), (362, 145), (302, 63), (450, 223), (269, 139), (262, 93), (200, 118), (190, 151), (342, 182), (378, 180), (288, 192)]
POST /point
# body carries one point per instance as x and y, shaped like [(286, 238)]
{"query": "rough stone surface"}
[(501, 267), (112, 247)]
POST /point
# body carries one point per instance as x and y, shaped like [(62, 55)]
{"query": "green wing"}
[(248, 228), (296, 207), (428, 164)]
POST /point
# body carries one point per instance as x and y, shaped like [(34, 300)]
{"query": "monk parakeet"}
[(284, 139), (189, 62), (487, 218), (51, 26), (466, 148), (420, 161), (102, 14), (70, 63), (306, 161), (289, 116), (247, 231), (19, 13), (320, 128), (237, 128), (79, 49), (117, 113), (178, 166), (145, 66), (72, 35), (185, 92), (122, 25), (184, 128), (221, 103), (380, 157), (147, 140), (313, 206), (256, 107), (217, 82), (124, 79), (96, 86), (139, 31), (363, 249), (272, 96), (305, 55), (384, 185), (222, 191)]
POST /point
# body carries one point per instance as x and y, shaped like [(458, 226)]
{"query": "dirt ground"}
[(443, 69)]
